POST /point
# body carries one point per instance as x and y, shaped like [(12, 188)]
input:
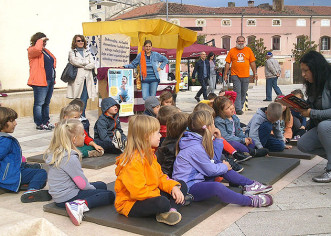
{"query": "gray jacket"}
[(324, 114), (68, 179), (255, 123), (271, 68)]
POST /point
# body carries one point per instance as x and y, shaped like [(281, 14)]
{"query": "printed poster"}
[(121, 89)]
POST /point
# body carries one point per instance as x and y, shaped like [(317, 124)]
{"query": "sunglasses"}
[(79, 41)]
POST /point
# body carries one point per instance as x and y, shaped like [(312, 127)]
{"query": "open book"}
[(293, 101)]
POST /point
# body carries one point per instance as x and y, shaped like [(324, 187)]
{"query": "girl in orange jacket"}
[(142, 189)]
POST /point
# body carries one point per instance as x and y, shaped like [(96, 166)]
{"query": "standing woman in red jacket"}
[(42, 79)]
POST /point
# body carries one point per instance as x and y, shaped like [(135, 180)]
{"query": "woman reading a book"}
[(317, 74)]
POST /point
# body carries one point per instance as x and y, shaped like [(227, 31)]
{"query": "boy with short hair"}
[(107, 129), (152, 106), (83, 119), (13, 171), (265, 120), (163, 116)]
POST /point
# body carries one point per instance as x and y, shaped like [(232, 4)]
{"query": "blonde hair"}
[(61, 143), (165, 113), (204, 107), (68, 110), (140, 129), (199, 122), (286, 115)]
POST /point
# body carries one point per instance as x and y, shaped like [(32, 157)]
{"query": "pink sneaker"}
[(261, 200), (256, 188), (75, 211)]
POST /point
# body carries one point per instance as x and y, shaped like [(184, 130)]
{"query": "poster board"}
[(121, 89)]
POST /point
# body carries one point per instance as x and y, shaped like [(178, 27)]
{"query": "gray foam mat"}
[(88, 163), (265, 169), (294, 152)]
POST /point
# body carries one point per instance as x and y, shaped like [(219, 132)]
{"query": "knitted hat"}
[(151, 102)]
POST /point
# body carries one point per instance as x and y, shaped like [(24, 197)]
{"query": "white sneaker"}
[(75, 211), (117, 140)]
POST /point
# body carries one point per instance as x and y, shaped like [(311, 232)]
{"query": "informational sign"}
[(121, 89), (93, 43), (115, 50)]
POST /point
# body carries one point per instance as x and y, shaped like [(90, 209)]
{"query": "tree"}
[(302, 46), (201, 39), (259, 50)]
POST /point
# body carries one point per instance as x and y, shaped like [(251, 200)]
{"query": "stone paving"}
[(301, 207)]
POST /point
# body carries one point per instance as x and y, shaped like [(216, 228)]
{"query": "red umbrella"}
[(194, 51)]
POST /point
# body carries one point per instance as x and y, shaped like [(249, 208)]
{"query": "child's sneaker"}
[(241, 157), (261, 200), (188, 199), (117, 140), (235, 166), (75, 211), (261, 152), (95, 153), (256, 188), (34, 195), (169, 218)]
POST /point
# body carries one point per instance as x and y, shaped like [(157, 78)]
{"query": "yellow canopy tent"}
[(162, 33)]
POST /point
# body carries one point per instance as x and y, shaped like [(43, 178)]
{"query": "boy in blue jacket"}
[(107, 130), (14, 172)]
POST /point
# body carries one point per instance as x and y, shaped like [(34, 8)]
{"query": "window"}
[(226, 42), (251, 22), (200, 22), (301, 22), (300, 42), (276, 22), (251, 39), (325, 43), (226, 22), (174, 21), (276, 42), (325, 22)]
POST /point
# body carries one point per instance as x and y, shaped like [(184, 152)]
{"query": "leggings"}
[(242, 147), (94, 197), (204, 190), (156, 205)]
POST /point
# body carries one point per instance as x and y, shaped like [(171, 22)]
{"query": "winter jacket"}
[(226, 128), (137, 181), (166, 155), (66, 180), (36, 61), (272, 68), (192, 164), (85, 66), (254, 125), (10, 162), (155, 58), (105, 126)]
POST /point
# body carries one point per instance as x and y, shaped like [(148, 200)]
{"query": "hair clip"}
[(204, 127)]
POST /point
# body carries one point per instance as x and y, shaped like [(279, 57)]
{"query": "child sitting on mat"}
[(90, 148), (166, 99), (142, 189), (152, 106), (229, 125), (299, 121), (13, 171), (164, 114), (286, 123), (83, 119), (200, 157), (67, 183), (265, 120)]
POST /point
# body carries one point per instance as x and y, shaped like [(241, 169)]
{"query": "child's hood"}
[(108, 103), (190, 139), (261, 113)]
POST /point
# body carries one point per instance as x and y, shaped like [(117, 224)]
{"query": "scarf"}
[(143, 67)]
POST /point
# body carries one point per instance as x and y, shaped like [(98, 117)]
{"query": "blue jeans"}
[(203, 89), (94, 197), (269, 141), (42, 98), (84, 97), (272, 83), (240, 86), (35, 178), (149, 89)]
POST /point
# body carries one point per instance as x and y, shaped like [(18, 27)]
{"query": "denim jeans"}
[(94, 197), (269, 141), (84, 97), (149, 89), (35, 178), (272, 83), (203, 89), (42, 98), (240, 86)]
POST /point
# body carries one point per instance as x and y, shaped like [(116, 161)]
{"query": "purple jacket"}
[(192, 164)]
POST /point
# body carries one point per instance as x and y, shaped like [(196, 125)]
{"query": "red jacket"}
[(36, 62)]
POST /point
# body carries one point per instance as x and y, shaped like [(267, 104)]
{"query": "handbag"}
[(69, 73)]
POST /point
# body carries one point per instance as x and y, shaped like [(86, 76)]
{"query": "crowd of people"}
[(168, 158)]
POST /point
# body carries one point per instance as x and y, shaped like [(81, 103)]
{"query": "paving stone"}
[(232, 230)]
